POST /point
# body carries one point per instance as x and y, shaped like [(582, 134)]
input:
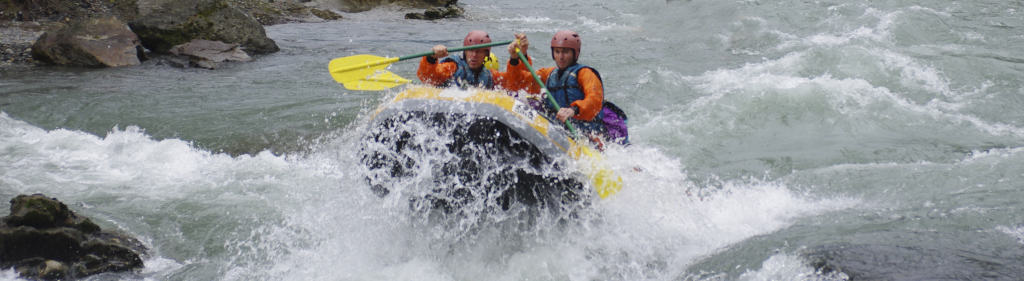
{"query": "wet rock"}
[(99, 42), (451, 10), (208, 54), (173, 62), (176, 22), (43, 239), (276, 12), (354, 6), (433, 13), (126, 10), (454, 11), (39, 212), (53, 270), (325, 14)]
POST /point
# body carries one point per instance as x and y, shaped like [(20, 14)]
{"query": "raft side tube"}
[(553, 144)]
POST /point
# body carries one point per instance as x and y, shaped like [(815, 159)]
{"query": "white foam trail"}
[(580, 24), (788, 267), (661, 216), (1013, 231), (312, 217), (123, 158), (9, 275), (945, 13), (740, 90), (175, 198)]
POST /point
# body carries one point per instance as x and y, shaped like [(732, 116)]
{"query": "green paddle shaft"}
[(544, 89), (458, 49)]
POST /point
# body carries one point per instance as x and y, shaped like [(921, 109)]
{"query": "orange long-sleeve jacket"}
[(436, 73), (593, 89)]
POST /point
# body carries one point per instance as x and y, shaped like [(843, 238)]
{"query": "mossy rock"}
[(40, 212), (42, 239), (37, 211)]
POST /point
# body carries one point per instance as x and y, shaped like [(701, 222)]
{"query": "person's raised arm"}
[(522, 44), (433, 73), (517, 77)]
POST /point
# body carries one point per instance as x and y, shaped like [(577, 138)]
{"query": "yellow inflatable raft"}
[(479, 132)]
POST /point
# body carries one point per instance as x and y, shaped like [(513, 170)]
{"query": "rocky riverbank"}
[(16, 39), (64, 32)]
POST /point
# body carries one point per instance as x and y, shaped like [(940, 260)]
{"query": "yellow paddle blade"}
[(359, 69), (605, 181), (376, 82)]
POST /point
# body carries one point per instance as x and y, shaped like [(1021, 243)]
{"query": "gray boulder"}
[(325, 14), (43, 239), (175, 22), (434, 13), (98, 42), (354, 6), (208, 54)]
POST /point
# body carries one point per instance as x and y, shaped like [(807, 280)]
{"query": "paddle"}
[(366, 72), (544, 89)]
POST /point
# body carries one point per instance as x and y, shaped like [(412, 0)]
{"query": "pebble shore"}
[(16, 41)]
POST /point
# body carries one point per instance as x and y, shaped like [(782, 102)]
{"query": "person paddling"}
[(442, 70), (577, 88)]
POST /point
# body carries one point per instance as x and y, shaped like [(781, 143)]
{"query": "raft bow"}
[(489, 117)]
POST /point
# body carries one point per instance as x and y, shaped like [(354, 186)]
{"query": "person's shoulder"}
[(589, 75), (588, 71)]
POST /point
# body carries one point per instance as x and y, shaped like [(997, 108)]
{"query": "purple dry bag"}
[(615, 122)]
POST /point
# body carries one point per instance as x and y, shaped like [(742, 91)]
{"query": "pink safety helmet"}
[(476, 37), (567, 39)]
